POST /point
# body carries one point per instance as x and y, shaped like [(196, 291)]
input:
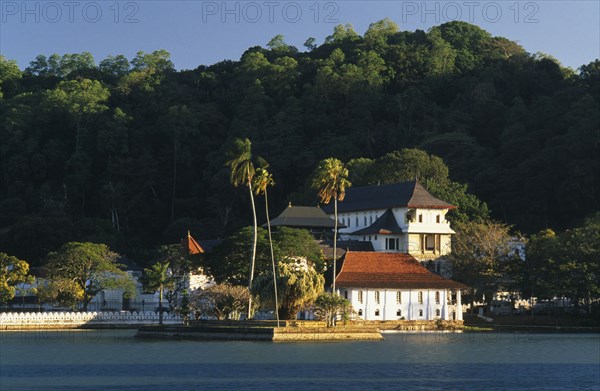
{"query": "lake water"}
[(115, 360)]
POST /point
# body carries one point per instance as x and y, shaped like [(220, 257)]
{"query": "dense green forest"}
[(132, 153)]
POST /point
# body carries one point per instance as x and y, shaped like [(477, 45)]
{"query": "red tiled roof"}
[(190, 246), (389, 270)]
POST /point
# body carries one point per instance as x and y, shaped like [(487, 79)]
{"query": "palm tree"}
[(242, 172), (262, 180), (157, 278), (331, 180)]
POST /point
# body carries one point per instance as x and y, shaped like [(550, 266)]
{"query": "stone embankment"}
[(292, 331)]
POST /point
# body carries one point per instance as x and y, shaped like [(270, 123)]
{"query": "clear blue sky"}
[(199, 32)]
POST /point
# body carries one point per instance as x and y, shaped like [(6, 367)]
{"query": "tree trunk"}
[(160, 306), (335, 228), (272, 256), (254, 240)]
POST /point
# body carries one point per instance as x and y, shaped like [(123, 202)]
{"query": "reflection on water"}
[(115, 360)]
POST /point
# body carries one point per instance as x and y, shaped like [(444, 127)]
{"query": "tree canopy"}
[(77, 272), (121, 149)]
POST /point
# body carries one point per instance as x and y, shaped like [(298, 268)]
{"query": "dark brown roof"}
[(393, 195), (386, 224), (343, 246), (389, 270), (190, 246), (304, 217)]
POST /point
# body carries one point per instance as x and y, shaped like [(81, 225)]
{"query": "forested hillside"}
[(132, 153)]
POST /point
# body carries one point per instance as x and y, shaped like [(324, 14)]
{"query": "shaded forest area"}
[(132, 153)]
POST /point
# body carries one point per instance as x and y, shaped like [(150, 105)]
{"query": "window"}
[(399, 313), (437, 219), (364, 238), (398, 297), (375, 237), (360, 297), (437, 312), (365, 221), (377, 297), (359, 312), (420, 218), (429, 242), (346, 295), (437, 297), (357, 221), (420, 297), (420, 312), (391, 243), (377, 312), (369, 238), (371, 219)]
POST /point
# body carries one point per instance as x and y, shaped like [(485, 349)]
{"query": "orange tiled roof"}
[(190, 246), (389, 270)]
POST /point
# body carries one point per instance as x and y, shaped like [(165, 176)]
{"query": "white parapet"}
[(70, 319)]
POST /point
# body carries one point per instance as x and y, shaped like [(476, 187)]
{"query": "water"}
[(115, 360)]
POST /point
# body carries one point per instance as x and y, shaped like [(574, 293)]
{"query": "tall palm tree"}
[(331, 180), (262, 180), (157, 278), (242, 172)]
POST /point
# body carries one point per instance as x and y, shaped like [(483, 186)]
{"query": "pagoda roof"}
[(404, 194), (304, 217), (190, 246), (386, 224)]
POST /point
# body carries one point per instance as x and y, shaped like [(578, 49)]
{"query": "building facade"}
[(399, 217), (395, 286)]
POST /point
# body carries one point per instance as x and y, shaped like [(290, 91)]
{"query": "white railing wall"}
[(71, 319)]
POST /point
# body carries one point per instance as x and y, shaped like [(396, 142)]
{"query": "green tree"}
[(228, 262), (222, 301), (262, 180), (295, 243), (85, 269), (330, 179), (242, 172), (13, 272), (480, 254), (329, 306), (298, 286), (580, 262), (157, 278), (81, 99)]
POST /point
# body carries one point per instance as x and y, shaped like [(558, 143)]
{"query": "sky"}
[(198, 32)]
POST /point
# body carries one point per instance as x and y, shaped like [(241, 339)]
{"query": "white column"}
[(459, 315), (445, 314)]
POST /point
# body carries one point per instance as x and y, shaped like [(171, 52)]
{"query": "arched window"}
[(365, 221), (437, 312), (377, 312), (420, 312), (399, 313), (359, 312)]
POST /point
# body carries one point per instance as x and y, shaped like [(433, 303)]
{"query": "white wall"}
[(409, 306)]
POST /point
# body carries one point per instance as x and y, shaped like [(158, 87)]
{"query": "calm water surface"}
[(115, 360)]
